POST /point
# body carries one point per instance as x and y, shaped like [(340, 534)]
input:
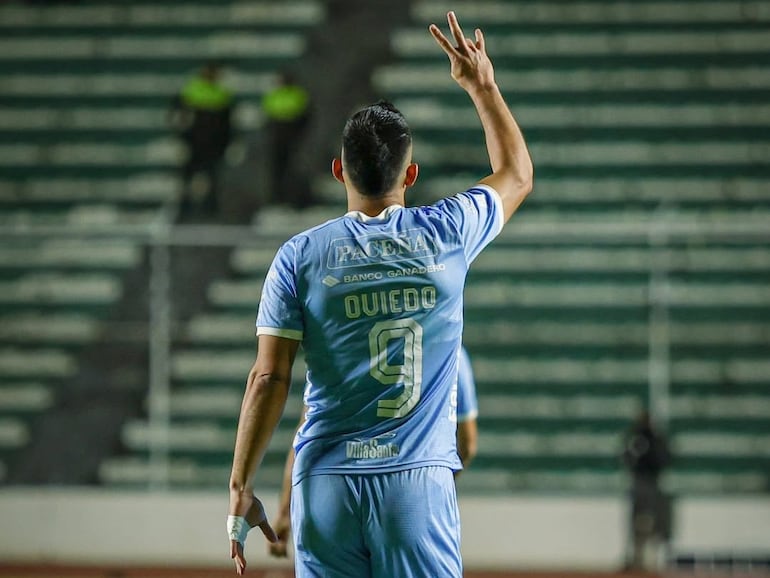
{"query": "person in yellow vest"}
[(286, 109), (201, 115)]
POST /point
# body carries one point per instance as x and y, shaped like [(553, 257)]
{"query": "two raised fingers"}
[(464, 45)]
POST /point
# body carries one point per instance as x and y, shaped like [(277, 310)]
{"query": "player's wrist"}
[(237, 528), (482, 90)]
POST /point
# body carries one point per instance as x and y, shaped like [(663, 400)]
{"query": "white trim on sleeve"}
[(467, 416), (278, 332)]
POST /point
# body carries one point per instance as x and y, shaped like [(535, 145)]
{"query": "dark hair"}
[(375, 143)]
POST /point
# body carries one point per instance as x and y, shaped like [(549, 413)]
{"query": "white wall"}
[(95, 526)]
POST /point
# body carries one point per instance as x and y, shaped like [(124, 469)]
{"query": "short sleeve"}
[(478, 213), (467, 404), (280, 310)]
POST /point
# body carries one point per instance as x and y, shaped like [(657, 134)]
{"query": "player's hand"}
[(249, 507), (471, 67), (282, 527)]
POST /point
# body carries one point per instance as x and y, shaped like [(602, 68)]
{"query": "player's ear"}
[(412, 171), (337, 170)]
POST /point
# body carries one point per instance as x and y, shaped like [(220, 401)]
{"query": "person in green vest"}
[(286, 109), (201, 115)]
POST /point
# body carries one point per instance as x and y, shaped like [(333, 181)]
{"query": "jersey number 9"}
[(409, 373)]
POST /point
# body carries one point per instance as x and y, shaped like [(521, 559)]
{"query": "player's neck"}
[(373, 206)]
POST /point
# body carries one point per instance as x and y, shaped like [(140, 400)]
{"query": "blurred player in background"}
[(375, 297), (467, 443)]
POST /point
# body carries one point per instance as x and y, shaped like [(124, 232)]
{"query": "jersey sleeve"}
[(467, 404), (280, 310), (478, 213)]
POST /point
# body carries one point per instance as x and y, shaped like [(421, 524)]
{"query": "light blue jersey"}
[(467, 403), (378, 305)]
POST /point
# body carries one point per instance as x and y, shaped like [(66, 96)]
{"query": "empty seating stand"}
[(85, 89), (54, 296), (209, 364), (85, 145)]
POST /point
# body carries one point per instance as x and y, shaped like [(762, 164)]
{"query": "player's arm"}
[(263, 403), (512, 172), (282, 522), (467, 442)]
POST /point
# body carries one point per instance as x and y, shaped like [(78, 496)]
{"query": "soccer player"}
[(467, 442), (375, 299), (467, 411)]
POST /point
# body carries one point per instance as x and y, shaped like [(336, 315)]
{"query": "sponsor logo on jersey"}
[(370, 450), (377, 249)]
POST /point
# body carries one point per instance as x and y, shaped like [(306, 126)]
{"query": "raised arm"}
[(512, 172)]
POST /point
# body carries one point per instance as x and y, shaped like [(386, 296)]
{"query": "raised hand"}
[(471, 67)]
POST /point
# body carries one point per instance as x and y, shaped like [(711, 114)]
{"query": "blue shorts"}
[(396, 525)]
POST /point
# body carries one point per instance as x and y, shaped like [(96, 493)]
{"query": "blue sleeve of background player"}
[(467, 404)]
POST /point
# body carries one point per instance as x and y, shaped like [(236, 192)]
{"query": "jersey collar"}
[(364, 218)]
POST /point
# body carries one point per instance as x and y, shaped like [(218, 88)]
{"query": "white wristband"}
[(237, 528)]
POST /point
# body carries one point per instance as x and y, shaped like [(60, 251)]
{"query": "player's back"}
[(379, 308)]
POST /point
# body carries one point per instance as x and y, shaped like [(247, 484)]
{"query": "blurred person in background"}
[(378, 443), (201, 115), (467, 445), (646, 455), (286, 109)]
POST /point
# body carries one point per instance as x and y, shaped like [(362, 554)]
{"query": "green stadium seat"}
[(220, 328), (236, 294), (217, 365), (431, 113), (220, 403), (717, 407), (126, 87), (590, 12), (715, 482), (21, 397), (13, 433), (85, 217), (137, 471), (721, 444), (579, 481), (18, 363), (411, 79), (202, 46), (60, 289), (252, 260), (143, 16), (56, 123), (281, 223), (152, 188), (65, 329), (553, 408), (414, 43), (65, 254)]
